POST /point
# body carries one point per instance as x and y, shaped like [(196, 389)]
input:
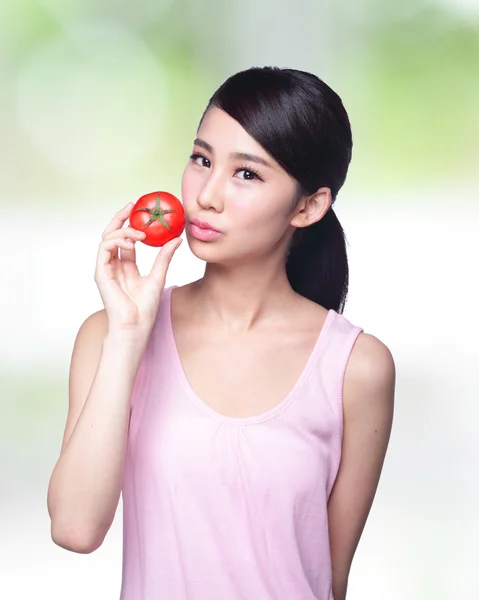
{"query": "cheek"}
[(255, 209), (189, 186)]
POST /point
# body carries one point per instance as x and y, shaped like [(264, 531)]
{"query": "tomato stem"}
[(156, 214)]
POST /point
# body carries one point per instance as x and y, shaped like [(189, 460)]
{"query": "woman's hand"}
[(130, 299)]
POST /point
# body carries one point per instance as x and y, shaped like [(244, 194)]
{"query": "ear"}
[(312, 208)]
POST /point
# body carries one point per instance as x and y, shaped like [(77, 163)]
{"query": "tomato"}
[(160, 215)]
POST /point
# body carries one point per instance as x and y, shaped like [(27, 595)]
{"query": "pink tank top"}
[(225, 508)]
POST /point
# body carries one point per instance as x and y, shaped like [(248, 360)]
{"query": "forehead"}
[(224, 133)]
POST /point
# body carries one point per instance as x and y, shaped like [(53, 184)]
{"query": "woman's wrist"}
[(126, 344)]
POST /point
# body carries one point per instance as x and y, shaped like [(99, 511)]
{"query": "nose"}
[(211, 194)]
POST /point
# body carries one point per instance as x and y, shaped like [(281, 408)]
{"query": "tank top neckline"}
[(253, 419)]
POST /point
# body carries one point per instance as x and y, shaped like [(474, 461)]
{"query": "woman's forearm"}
[(85, 485)]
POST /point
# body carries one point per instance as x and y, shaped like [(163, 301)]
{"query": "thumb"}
[(162, 261)]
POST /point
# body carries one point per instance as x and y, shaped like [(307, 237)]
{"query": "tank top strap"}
[(332, 363), (151, 354), (335, 354)]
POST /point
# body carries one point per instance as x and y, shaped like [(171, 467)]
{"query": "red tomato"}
[(160, 215)]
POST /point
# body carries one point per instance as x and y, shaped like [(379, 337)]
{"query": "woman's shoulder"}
[(94, 327), (370, 372), (370, 354)]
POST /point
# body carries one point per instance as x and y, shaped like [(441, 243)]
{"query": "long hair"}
[(302, 123)]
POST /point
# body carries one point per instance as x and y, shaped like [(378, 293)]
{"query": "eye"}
[(249, 173), (203, 158)]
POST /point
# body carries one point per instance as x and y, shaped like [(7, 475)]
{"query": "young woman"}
[(243, 418)]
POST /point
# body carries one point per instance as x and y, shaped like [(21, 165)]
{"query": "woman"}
[(243, 418)]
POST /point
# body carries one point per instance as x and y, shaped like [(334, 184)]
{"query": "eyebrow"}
[(238, 155)]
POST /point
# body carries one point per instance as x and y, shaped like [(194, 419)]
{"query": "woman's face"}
[(247, 198)]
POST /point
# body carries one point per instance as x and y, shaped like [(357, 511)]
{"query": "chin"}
[(211, 252), (203, 250)]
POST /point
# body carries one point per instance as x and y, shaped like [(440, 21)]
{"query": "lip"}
[(204, 225), (205, 235)]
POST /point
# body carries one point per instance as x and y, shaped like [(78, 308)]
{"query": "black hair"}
[(302, 123)]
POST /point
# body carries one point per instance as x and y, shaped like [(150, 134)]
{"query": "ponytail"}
[(301, 122), (317, 262)]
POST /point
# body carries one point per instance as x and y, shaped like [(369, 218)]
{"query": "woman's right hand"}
[(131, 300)]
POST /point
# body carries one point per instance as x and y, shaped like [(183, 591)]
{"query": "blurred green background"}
[(99, 96), (99, 105)]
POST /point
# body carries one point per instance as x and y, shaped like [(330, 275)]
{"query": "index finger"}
[(119, 219)]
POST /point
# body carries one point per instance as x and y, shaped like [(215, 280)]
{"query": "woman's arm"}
[(85, 485), (368, 405)]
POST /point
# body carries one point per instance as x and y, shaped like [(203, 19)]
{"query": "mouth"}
[(204, 225), (203, 231)]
